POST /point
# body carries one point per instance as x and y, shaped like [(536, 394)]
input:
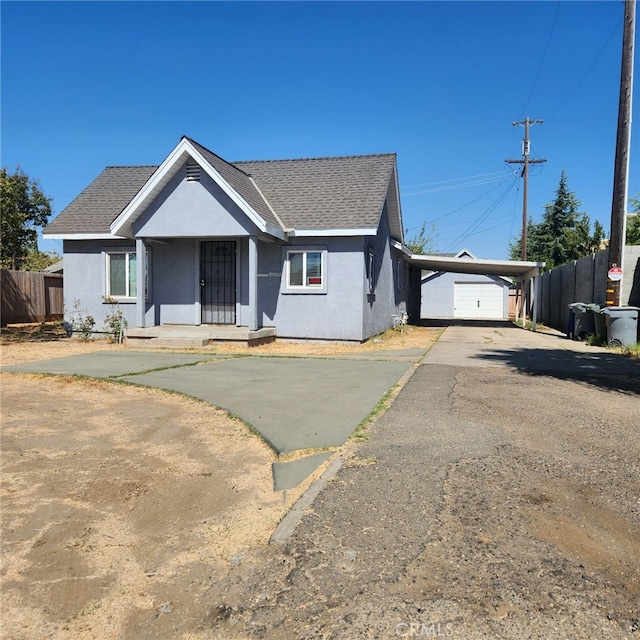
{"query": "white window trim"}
[(305, 289), (107, 253)]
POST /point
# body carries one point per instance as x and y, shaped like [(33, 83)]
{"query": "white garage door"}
[(478, 300)]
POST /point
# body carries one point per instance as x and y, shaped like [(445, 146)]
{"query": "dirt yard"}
[(123, 505)]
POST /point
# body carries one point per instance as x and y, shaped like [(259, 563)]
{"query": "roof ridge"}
[(131, 166), (346, 157), (213, 153)]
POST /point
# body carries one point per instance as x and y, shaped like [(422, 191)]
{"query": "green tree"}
[(563, 234), (38, 260), (633, 222), (24, 208), (423, 242)]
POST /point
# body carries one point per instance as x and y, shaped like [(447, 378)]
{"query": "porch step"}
[(187, 336), (171, 343)]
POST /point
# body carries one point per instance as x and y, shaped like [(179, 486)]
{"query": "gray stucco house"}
[(301, 249), (464, 295)]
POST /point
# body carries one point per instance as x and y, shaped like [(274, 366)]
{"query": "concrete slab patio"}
[(296, 404), (110, 364)]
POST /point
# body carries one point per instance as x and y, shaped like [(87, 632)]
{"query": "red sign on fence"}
[(615, 274)]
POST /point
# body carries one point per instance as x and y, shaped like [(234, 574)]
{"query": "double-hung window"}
[(121, 274), (305, 270)]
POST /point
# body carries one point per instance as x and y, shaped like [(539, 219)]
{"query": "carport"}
[(525, 273)]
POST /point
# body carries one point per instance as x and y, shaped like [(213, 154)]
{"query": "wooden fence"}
[(30, 296)]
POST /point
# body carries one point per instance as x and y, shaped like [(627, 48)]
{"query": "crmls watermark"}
[(424, 630)]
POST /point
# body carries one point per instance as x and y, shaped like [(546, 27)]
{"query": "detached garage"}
[(480, 300), (464, 295)]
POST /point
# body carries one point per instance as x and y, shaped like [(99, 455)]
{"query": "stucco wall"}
[(389, 296), (334, 315), (174, 273), (85, 280), (174, 277), (193, 209)]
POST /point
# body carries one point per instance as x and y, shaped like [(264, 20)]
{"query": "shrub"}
[(81, 322), (114, 323)]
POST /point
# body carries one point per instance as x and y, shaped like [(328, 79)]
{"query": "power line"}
[(483, 216), (446, 215), (455, 183), (544, 55), (454, 187), (588, 71), (513, 215)]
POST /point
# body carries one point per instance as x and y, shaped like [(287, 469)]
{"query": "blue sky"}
[(91, 84)]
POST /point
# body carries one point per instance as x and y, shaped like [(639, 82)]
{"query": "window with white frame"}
[(305, 270), (122, 274)]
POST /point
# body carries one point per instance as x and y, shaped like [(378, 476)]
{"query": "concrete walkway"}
[(533, 353), (296, 404)]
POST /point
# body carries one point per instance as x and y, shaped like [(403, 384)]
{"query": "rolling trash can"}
[(581, 322), (622, 326), (599, 326)]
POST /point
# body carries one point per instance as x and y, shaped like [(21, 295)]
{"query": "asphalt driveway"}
[(496, 498)]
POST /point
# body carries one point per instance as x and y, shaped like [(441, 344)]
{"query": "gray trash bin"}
[(580, 321), (622, 325), (599, 325)]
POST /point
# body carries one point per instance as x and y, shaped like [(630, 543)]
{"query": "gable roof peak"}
[(201, 147)]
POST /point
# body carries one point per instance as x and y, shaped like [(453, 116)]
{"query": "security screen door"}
[(218, 282)]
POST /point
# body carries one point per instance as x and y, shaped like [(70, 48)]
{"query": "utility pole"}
[(525, 162), (621, 167)]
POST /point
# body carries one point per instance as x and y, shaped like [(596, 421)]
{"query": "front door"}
[(218, 282)]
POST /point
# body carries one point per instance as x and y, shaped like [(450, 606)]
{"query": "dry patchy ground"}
[(123, 507)]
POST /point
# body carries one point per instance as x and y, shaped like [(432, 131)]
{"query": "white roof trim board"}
[(327, 233), (84, 236)]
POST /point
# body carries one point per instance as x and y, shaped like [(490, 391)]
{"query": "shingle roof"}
[(346, 192), (240, 181), (325, 193), (102, 201)]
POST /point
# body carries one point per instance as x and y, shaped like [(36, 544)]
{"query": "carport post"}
[(534, 311), (523, 301)]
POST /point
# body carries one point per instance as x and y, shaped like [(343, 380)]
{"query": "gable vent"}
[(193, 172)]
